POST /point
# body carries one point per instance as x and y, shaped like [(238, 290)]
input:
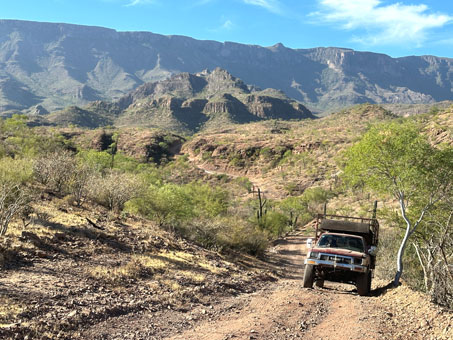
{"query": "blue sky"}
[(397, 28)]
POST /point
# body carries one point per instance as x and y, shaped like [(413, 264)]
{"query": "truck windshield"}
[(339, 241)]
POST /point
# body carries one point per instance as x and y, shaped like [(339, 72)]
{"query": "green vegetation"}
[(402, 162), (396, 159)]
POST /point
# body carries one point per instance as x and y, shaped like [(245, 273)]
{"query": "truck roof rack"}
[(368, 228)]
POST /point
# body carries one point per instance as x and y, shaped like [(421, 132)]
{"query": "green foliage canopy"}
[(396, 158)]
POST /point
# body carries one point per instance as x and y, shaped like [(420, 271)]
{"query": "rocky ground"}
[(67, 279)]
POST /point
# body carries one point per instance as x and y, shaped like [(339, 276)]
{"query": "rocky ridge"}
[(56, 65), (185, 103)]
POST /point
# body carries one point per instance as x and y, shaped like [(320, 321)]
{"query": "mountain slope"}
[(185, 103), (57, 65)]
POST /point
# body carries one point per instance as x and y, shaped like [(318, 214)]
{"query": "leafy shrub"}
[(207, 201), (266, 153), (237, 161), (316, 197), (246, 237), (168, 205), (274, 222), (97, 160), (296, 210), (18, 171)]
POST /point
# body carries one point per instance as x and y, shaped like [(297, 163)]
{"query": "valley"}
[(239, 176), (205, 268)]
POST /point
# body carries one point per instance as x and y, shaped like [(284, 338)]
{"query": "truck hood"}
[(339, 251)]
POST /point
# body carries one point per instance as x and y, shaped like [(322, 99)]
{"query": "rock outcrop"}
[(56, 65)]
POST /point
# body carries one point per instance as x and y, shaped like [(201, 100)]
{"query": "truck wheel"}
[(363, 284), (309, 276), (369, 282), (319, 283)]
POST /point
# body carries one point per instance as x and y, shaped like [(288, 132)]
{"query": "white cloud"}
[(140, 2), (385, 23), (228, 25), (271, 5)]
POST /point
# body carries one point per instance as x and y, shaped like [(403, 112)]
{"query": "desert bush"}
[(13, 201), (274, 222), (387, 250), (245, 183), (206, 232), (168, 205), (13, 196), (18, 140), (114, 189), (55, 169), (18, 171), (97, 160), (245, 237), (79, 183), (207, 201), (296, 210), (433, 247), (316, 198)]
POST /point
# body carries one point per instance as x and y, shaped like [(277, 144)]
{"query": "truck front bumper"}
[(335, 265)]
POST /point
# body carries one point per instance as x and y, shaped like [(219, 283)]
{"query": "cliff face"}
[(184, 103), (56, 65), (189, 101)]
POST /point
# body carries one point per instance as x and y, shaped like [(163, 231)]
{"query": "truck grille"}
[(337, 259)]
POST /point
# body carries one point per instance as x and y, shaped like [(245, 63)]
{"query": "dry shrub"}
[(114, 189), (79, 183), (55, 169), (13, 200), (389, 242)]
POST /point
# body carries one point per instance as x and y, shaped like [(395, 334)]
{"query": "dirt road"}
[(286, 310)]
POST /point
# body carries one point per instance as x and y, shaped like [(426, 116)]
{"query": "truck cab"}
[(343, 251)]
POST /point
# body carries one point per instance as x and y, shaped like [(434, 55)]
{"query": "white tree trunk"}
[(407, 234), (399, 257)]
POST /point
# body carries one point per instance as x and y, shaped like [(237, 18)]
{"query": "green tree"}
[(395, 158), (167, 205), (207, 201), (294, 208)]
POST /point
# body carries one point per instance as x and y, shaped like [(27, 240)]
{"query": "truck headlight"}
[(314, 255)]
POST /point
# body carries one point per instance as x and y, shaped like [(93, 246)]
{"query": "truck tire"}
[(369, 282), (363, 284), (319, 283), (309, 276)]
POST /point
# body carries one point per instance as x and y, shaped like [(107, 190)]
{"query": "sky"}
[(397, 28)]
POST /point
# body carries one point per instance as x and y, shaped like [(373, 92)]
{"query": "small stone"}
[(73, 313)]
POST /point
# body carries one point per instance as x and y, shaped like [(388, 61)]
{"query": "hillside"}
[(135, 233), (284, 158), (184, 103), (59, 65)]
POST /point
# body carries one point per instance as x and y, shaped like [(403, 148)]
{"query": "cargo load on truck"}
[(343, 250)]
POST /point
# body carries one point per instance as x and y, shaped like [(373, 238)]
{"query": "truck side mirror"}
[(309, 243), (372, 251)]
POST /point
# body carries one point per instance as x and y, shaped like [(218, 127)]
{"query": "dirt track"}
[(238, 304), (287, 311)]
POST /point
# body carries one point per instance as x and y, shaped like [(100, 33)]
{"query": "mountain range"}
[(56, 65), (183, 103)]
